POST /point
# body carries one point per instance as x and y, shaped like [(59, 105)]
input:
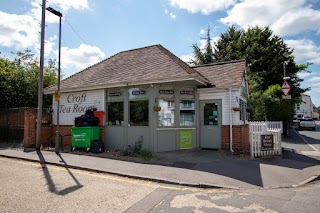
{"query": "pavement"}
[(196, 168)]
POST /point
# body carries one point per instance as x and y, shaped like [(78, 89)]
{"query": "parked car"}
[(307, 123)]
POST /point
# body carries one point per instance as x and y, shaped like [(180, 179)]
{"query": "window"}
[(298, 106), (243, 106), (187, 113), (139, 113), (210, 116), (115, 113), (166, 114)]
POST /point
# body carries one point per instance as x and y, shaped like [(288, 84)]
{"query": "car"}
[(307, 123)]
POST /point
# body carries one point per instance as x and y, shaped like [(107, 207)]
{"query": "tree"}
[(203, 56), (263, 52), (19, 80)]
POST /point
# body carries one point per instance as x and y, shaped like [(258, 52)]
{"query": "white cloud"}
[(285, 17), (66, 5), (203, 32), (314, 79), (166, 11), (204, 6), (81, 57), (305, 50), (187, 58), (173, 16), (304, 75), (18, 31)]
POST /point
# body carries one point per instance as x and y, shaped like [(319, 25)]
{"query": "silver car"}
[(307, 123)]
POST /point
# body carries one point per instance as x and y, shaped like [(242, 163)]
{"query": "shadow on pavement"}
[(51, 185)]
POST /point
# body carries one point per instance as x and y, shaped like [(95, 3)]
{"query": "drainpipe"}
[(230, 116)]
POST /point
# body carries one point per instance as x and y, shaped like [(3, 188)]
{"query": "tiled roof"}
[(224, 74), (143, 64)]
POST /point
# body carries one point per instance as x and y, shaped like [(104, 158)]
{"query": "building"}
[(150, 92), (305, 108)]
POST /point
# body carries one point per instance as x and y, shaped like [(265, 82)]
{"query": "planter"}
[(237, 109), (157, 108)]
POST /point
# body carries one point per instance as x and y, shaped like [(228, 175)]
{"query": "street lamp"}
[(57, 143), (285, 54)]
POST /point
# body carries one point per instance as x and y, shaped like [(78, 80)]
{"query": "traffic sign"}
[(285, 87)]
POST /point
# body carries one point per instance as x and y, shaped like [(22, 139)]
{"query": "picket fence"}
[(257, 129)]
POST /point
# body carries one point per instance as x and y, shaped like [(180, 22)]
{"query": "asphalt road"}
[(304, 142), (32, 187)]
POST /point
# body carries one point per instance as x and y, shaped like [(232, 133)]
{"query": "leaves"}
[(19, 80)]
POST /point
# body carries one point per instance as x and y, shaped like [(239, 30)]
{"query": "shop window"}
[(139, 113), (115, 113), (210, 116), (187, 113), (166, 114)]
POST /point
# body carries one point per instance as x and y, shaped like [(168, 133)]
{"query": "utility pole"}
[(40, 85)]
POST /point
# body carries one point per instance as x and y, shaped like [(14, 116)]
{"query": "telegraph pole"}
[(40, 85)]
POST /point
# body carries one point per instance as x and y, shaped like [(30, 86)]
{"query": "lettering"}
[(166, 91), (115, 94), (77, 99), (186, 92), (138, 92)]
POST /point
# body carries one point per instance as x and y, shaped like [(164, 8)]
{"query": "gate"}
[(265, 138), (12, 125)]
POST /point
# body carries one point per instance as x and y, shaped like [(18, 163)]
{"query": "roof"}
[(150, 64), (224, 74)]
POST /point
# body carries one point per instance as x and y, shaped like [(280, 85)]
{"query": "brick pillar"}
[(30, 116), (240, 136)]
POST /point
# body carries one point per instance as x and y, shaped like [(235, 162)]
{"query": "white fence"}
[(265, 138)]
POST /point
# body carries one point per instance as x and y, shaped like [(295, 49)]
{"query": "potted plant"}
[(157, 108)]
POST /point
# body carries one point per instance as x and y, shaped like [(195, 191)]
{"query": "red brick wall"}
[(48, 132), (240, 138)]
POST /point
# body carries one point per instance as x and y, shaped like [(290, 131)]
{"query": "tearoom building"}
[(150, 93)]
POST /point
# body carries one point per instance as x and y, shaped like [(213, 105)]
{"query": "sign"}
[(266, 142), (186, 92), (285, 87), (57, 95), (115, 94), (185, 139), (286, 97), (138, 92), (164, 91)]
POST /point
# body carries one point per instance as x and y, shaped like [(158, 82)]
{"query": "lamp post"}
[(57, 143), (285, 54)]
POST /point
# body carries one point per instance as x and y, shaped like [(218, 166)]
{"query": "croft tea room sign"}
[(75, 104)]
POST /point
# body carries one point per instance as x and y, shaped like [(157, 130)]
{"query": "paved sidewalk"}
[(200, 168)]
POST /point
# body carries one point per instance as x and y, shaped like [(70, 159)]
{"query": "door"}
[(210, 124)]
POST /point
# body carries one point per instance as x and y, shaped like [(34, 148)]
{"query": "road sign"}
[(285, 87), (286, 97), (57, 95)]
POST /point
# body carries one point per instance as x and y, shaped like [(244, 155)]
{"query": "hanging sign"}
[(115, 94), (57, 95), (266, 142), (166, 91), (138, 92), (285, 87), (186, 92)]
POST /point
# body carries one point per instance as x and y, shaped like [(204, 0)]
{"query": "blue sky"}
[(93, 30)]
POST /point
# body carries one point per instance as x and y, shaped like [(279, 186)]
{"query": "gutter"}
[(230, 117)]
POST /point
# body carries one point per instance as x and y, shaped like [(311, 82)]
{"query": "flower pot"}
[(157, 108)]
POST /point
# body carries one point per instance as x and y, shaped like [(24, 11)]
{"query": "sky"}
[(93, 30)]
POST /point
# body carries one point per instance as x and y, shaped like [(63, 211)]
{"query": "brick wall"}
[(241, 144), (48, 132)]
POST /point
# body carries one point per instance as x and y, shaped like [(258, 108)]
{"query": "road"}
[(305, 142), (34, 187)]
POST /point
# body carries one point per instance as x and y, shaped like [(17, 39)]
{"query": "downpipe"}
[(230, 117)]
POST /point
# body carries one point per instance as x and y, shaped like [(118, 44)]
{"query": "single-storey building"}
[(152, 93)]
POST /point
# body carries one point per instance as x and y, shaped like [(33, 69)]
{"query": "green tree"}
[(204, 56), (19, 80)]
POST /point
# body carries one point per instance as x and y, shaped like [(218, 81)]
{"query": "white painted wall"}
[(209, 94), (75, 104), (305, 108)]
